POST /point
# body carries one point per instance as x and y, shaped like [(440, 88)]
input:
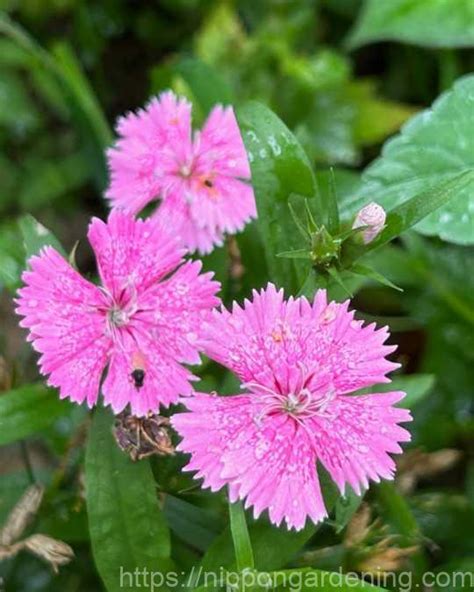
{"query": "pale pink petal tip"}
[(299, 364), (203, 181), (138, 327)]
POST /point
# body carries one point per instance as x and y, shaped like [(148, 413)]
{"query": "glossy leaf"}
[(27, 410), (433, 147), (409, 213), (36, 236), (430, 23), (126, 525), (346, 507), (279, 168), (416, 387), (370, 273)]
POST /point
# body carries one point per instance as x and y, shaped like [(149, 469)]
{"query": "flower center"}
[(300, 405), (118, 317), (297, 403), (185, 171), (120, 308)]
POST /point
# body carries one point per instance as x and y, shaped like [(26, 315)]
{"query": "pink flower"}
[(299, 364), (202, 180), (141, 323), (373, 216)]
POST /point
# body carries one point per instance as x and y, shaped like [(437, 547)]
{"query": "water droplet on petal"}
[(182, 288), (328, 315), (192, 337)]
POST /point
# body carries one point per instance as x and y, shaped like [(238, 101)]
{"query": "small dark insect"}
[(141, 437), (208, 183), (138, 376), (138, 372)]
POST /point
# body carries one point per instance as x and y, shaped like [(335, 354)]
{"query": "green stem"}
[(240, 536)]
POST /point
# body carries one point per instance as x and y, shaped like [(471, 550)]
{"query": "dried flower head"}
[(55, 552), (141, 437)]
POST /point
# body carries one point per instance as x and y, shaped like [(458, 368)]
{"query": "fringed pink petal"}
[(356, 435), (132, 252), (60, 309)]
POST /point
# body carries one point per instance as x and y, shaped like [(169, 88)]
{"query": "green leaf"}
[(302, 215), (397, 510), (240, 536), (430, 23), (333, 205), (296, 254), (409, 213), (324, 69), (64, 70), (446, 270), (314, 280), (88, 114), (370, 273), (205, 83), (36, 236), (376, 117), (416, 387), (45, 181), (194, 525), (27, 410), (221, 35), (17, 111), (432, 148), (127, 528), (327, 130), (347, 184), (279, 168), (346, 507), (11, 257), (336, 276)]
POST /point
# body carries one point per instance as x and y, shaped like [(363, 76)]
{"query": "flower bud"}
[(373, 217)]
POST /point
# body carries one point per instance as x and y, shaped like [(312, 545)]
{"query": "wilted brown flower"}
[(21, 515), (141, 437), (416, 465), (372, 549), (55, 552)]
